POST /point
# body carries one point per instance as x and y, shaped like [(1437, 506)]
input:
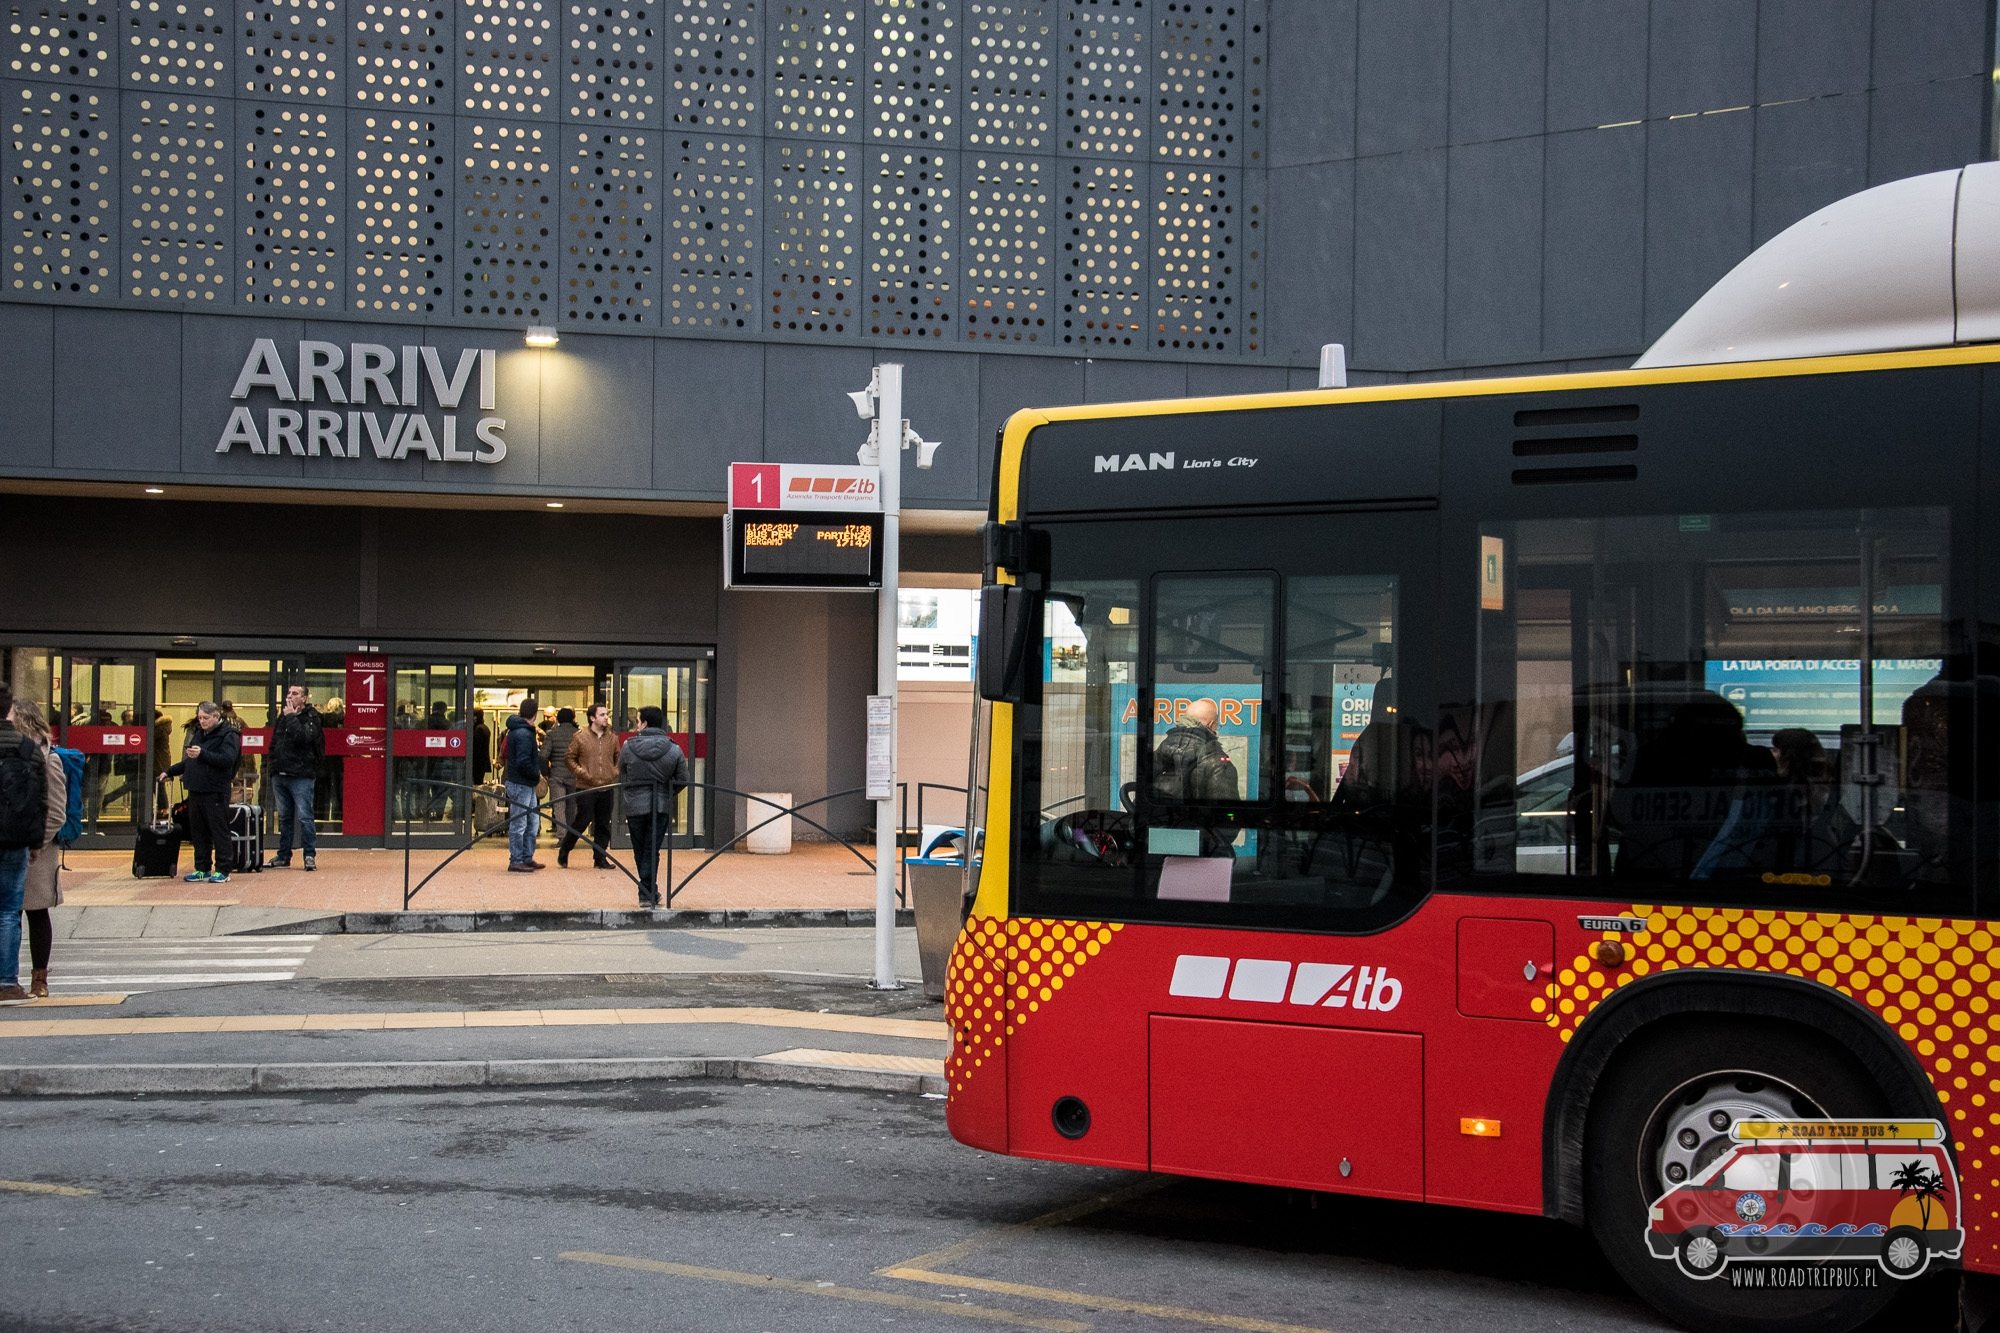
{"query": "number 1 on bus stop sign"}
[(753, 485)]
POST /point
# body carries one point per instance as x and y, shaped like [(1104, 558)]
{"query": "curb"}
[(433, 1075), (459, 923)]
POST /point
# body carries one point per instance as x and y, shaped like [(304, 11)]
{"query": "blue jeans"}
[(524, 823), (13, 887), (295, 807)]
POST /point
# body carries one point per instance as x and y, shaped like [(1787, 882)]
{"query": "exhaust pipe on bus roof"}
[(1913, 263)]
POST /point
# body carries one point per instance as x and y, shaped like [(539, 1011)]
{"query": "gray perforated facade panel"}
[(1019, 174)]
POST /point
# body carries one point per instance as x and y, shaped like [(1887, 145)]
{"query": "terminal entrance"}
[(130, 715)]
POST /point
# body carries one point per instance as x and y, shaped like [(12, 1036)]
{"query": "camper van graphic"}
[(1809, 1190)]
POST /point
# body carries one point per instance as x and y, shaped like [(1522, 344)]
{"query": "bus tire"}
[(1662, 1075)]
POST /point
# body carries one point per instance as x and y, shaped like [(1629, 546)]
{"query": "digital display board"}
[(790, 548)]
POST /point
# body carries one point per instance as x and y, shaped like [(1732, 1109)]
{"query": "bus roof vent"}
[(1914, 263)]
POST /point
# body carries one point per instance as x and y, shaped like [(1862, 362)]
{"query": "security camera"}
[(864, 402), (926, 451)]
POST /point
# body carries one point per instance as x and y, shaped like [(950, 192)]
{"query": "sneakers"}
[(218, 878), (278, 863), (309, 862), (197, 877), (13, 995)]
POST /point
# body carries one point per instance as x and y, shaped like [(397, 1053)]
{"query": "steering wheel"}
[(1089, 837)]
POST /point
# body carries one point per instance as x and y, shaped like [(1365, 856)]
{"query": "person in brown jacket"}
[(43, 891), (593, 765)]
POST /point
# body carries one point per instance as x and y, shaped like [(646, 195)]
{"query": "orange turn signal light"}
[(1479, 1127)]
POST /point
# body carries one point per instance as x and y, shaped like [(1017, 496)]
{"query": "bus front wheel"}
[(1661, 1115)]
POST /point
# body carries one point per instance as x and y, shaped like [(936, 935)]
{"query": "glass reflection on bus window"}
[(1741, 707)]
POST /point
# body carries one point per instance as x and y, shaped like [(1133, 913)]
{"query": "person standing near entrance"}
[(652, 772), (207, 766), (521, 770), (593, 766), (555, 765), (43, 892), (298, 745), (23, 821)]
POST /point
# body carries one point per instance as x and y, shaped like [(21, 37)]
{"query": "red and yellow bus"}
[(1492, 793)]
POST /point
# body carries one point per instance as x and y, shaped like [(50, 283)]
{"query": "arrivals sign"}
[(334, 400)]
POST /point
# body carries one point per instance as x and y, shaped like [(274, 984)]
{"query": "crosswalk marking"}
[(134, 965)]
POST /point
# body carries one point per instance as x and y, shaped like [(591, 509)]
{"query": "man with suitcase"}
[(298, 744), (208, 764)]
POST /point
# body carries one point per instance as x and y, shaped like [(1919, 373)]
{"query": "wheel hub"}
[(1697, 1119)]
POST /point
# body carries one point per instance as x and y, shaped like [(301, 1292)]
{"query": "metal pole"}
[(889, 445)]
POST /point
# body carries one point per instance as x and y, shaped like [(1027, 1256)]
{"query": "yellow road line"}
[(1095, 1302), (924, 1268), (1097, 1203), (907, 1028), (36, 1187), (75, 1001), (900, 1064), (767, 1282)]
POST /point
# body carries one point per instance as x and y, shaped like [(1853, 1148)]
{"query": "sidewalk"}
[(449, 1012), (811, 876)]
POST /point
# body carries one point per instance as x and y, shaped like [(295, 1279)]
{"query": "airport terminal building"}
[(269, 409)]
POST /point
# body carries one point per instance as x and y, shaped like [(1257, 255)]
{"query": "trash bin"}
[(937, 892), (775, 838)]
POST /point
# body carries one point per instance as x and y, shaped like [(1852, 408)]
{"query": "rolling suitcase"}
[(489, 809), (246, 836), (156, 853)]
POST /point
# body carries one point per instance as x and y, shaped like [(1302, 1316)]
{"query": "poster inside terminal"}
[(1816, 695), (332, 401)]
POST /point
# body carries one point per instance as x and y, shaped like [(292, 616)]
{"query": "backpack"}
[(24, 797), (72, 825)]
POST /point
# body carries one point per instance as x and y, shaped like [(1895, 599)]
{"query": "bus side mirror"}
[(1009, 617)]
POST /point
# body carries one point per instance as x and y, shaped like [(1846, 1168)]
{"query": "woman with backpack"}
[(43, 891)]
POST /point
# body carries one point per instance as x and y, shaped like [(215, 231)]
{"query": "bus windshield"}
[(1223, 744)]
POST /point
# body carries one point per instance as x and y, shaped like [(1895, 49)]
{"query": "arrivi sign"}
[(333, 400)]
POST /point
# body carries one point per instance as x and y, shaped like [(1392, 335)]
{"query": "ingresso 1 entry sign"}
[(803, 528)]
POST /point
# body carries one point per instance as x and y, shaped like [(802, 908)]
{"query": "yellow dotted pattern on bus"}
[(1002, 973), (1929, 980)]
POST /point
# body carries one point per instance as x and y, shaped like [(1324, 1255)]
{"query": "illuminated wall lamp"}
[(541, 335)]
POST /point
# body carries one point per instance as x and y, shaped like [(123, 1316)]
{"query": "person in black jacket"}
[(208, 764), (651, 773), (298, 745), (521, 770)]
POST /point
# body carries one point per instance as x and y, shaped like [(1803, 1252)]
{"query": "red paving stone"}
[(811, 875)]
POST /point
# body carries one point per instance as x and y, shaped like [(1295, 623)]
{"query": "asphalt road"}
[(704, 1206)]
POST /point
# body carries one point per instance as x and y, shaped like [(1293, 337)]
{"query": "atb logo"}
[(1803, 1192), (1275, 981), (818, 486)]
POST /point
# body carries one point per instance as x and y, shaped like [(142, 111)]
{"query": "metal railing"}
[(548, 807)]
